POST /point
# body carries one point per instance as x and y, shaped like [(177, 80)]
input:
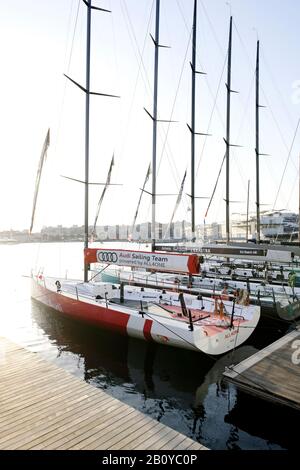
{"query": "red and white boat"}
[(214, 329), (213, 326)]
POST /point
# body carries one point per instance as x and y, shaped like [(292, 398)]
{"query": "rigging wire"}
[(263, 91), (215, 187), (201, 65), (296, 180), (63, 96), (68, 70), (73, 37), (242, 123), (222, 50), (148, 88), (215, 106), (174, 103), (212, 114), (165, 141), (117, 84), (214, 96), (140, 66), (270, 167), (286, 163), (217, 93), (277, 125), (283, 102)]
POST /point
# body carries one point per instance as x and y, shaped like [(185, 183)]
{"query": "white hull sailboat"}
[(213, 326)]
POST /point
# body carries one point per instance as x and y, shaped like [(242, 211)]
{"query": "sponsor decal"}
[(110, 257), (296, 354), (143, 259), (233, 251)]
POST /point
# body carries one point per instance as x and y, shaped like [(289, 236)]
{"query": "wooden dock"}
[(44, 407), (272, 373)]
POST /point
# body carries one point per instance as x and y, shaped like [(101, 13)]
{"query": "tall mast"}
[(154, 119), (257, 106), (87, 92), (299, 206), (193, 66), (227, 141), (87, 134), (247, 221)]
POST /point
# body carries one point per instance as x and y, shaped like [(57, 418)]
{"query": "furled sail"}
[(215, 187), (140, 198), (103, 194), (38, 176), (178, 200)]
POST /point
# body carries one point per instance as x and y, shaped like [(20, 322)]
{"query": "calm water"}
[(179, 388)]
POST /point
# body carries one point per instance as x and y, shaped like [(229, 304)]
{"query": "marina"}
[(166, 335), (180, 388)]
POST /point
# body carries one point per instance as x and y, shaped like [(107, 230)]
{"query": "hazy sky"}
[(39, 42)]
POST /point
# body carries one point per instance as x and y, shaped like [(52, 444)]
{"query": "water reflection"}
[(269, 421), (180, 388)]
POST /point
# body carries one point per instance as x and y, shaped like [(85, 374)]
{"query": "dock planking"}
[(45, 407), (272, 373)]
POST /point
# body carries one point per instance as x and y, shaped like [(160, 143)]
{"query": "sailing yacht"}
[(213, 326)]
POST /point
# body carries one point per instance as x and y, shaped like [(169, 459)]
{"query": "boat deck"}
[(272, 373), (45, 407), (136, 304)]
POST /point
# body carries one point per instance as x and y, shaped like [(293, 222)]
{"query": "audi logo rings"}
[(107, 257)]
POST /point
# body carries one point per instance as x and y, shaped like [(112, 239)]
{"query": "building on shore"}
[(275, 225)]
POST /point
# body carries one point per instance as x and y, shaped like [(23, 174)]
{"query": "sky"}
[(41, 40)]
